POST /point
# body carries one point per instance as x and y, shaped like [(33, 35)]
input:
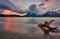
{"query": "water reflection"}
[(28, 26), (7, 25), (24, 24)]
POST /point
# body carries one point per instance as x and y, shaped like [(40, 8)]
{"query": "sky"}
[(47, 4), (25, 3), (36, 6)]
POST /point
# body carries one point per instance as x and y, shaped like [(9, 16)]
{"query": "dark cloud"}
[(5, 4), (33, 8), (46, 0), (41, 4)]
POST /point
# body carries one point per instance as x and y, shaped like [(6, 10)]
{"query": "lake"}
[(27, 27)]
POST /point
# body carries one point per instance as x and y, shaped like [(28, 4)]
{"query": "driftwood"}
[(46, 31)]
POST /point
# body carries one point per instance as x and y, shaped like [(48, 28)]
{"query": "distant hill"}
[(51, 14), (47, 14), (30, 14), (3, 15)]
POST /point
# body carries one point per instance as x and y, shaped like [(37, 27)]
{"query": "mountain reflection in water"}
[(26, 28)]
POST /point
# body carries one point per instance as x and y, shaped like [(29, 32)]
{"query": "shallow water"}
[(28, 26)]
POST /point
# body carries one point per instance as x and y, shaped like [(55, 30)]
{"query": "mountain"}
[(32, 14), (46, 14), (51, 14)]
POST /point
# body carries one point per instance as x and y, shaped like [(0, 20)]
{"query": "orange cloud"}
[(9, 12)]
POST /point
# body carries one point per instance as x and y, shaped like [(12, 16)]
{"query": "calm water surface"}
[(27, 24)]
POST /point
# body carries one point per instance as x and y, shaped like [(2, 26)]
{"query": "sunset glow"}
[(7, 26), (9, 12), (49, 1)]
